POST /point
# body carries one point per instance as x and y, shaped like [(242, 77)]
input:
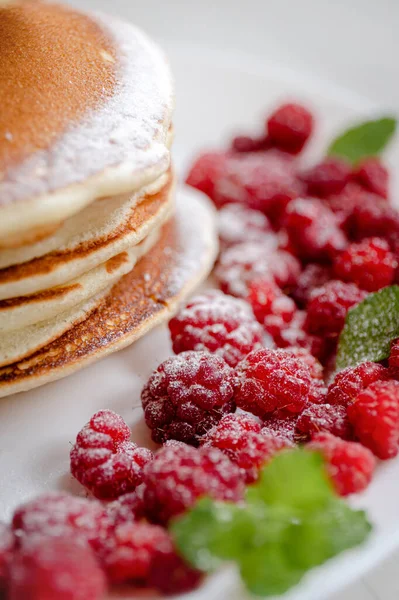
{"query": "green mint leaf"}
[(266, 571), (367, 139), (324, 534), (369, 329), (296, 479)]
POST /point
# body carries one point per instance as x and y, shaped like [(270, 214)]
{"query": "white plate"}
[(217, 95)]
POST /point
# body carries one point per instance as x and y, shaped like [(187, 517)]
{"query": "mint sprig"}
[(291, 521), (364, 140), (369, 329)]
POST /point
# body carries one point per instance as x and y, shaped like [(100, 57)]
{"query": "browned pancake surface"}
[(55, 64), (147, 295)]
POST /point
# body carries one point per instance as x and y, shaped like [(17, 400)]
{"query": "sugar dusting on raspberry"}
[(318, 418), (187, 395), (349, 464), (104, 460), (238, 224), (219, 324)]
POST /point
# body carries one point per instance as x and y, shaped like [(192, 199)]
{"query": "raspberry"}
[(266, 299), (323, 417), (127, 508), (394, 358), (375, 418), (104, 460), (244, 143), (313, 276), (49, 568), (294, 335), (372, 216), (370, 264), (373, 176), (170, 575), (241, 224), (349, 464), (265, 181), (313, 230), (316, 368), (329, 305), (206, 170), (7, 542), (217, 323), (241, 264), (127, 554), (281, 425), (327, 177), (181, 474), (187, 395), (240, 438), (58, 514), (351, 381), (290, 126), (271, 379)]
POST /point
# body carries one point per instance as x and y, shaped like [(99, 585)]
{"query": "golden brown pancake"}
[(145, 297), (86, 103), (61, 266)]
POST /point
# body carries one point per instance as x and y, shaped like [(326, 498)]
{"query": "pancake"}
[(147, 296), (16, 345), (87, 252), (86, 104), (18, 313)]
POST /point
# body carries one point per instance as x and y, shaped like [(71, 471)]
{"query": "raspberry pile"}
[(253, 374)]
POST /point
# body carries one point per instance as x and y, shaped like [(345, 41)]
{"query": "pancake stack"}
[(93, 251)]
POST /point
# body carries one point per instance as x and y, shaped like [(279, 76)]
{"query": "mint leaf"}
[(325, 534), (296, 479), (291, 522), (366, 139), (266, 571), (369, 329)]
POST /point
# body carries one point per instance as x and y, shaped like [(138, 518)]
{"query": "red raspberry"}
[(290, 126), (126, 555), (375, 418), (313, 276), (329, 305), (241, 264), (181, 474), (327, 177), (206, 171), (127, 508), (244, 143), (104, 460), (217, 323), (323, 417), (240, 438), (349, 465), (187, 395), (271, 379), (370, 264), (294, 335), (372, 216), (344, 203), (348, 383), (170, 575), (266, 299), (281, 425), (49, 568), (58, 514), (316, 368), (372, 175), (241, 224), (7, 543), (313, 230), (264, 181), (394, 358)]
